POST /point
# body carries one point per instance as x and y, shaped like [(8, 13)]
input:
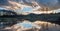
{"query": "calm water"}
[(26, 25)]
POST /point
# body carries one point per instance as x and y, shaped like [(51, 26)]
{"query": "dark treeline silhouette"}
[(54, 18)]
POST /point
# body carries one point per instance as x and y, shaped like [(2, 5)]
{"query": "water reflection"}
[(26, 25)]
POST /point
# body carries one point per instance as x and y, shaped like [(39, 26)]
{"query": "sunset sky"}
[(49, 3)]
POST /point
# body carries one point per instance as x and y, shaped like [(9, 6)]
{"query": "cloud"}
[(46, 3), (52, 4)]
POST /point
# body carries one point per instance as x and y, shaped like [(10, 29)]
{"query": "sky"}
[(49, 3), (27, 9), (4, 2)]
